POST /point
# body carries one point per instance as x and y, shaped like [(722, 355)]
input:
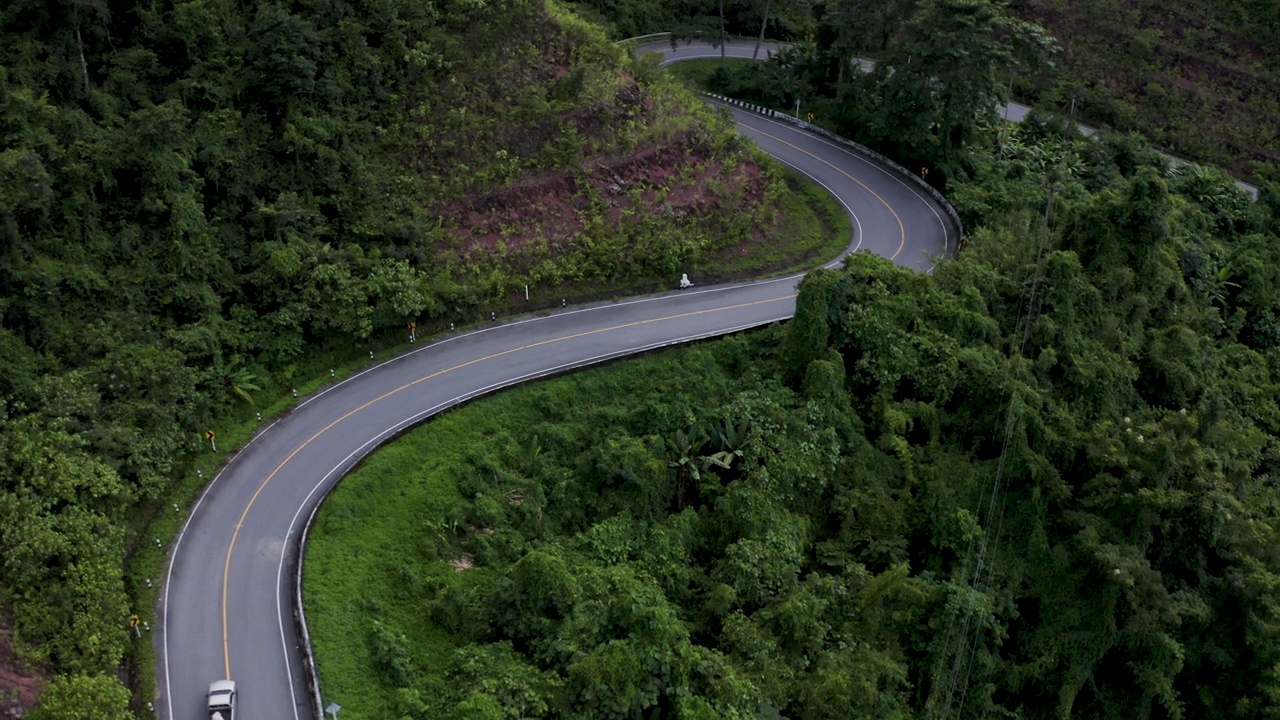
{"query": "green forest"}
[(1200, 79), (1039, 482), (205, 204)]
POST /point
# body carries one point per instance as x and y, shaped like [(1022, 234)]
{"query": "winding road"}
[(228, 601)]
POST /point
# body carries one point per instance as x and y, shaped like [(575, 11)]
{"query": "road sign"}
[(133, 621), (209, 435), (333, 709)]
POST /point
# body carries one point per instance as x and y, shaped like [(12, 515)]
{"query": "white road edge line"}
[(177, 544), (946, 234)]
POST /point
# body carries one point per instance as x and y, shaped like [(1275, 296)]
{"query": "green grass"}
[(818, 226), (369, 557), (382, 541), (813, 228)]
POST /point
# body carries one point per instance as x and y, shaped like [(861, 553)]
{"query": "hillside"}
[(204, 203), (1039, 482), (1200, 79)]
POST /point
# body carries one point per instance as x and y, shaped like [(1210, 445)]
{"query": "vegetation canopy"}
[(1040, 482), (203, 201), (1199, 80)]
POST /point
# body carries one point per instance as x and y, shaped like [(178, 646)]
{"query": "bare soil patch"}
[(18, 688)]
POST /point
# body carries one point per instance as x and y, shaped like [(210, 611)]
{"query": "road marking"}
[(253, 499), (226, 568), (893, 175), (412, 420), (902, 231)]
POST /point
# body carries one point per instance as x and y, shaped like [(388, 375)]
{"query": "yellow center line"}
[(226, 568), (902, 232)]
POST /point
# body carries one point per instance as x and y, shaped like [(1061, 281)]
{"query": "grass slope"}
[(386, 537)]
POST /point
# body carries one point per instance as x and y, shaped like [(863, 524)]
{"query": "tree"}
[(764, 23), (284, 58), (82, 697), (704, 26), (533, 600), (61, 540), (951, 68), (685, 456), (809, 332), (629, 651), (851, 27)]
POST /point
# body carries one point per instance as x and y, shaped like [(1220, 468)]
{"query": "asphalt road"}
[(227, 603)]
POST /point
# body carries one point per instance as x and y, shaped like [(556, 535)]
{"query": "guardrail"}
[(300, 616), (650, 36), (858, 148)]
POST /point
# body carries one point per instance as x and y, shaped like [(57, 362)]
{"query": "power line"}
[(965, 640)]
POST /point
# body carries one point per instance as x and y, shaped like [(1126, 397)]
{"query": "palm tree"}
[(1221, 287), (731, 439), (236, 378)]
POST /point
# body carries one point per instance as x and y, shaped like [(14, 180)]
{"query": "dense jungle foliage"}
[(1043, 481), (1200, 79), (198, 198)]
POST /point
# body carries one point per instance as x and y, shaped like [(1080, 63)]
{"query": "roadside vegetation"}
[(205, 205), (707, 74), (1199, 80), (1040, 482)]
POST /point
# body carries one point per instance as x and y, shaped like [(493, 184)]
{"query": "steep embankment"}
[(199, 199)]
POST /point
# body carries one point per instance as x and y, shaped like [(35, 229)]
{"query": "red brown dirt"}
[(550, 207), (18, 689)]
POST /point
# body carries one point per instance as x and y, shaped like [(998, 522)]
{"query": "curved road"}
[(226, 608)]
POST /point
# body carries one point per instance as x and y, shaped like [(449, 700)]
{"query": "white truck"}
[(222, 700)]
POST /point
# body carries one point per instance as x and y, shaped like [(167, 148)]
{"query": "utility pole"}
[(1004, 128), (1048, 208), (722, 32)]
